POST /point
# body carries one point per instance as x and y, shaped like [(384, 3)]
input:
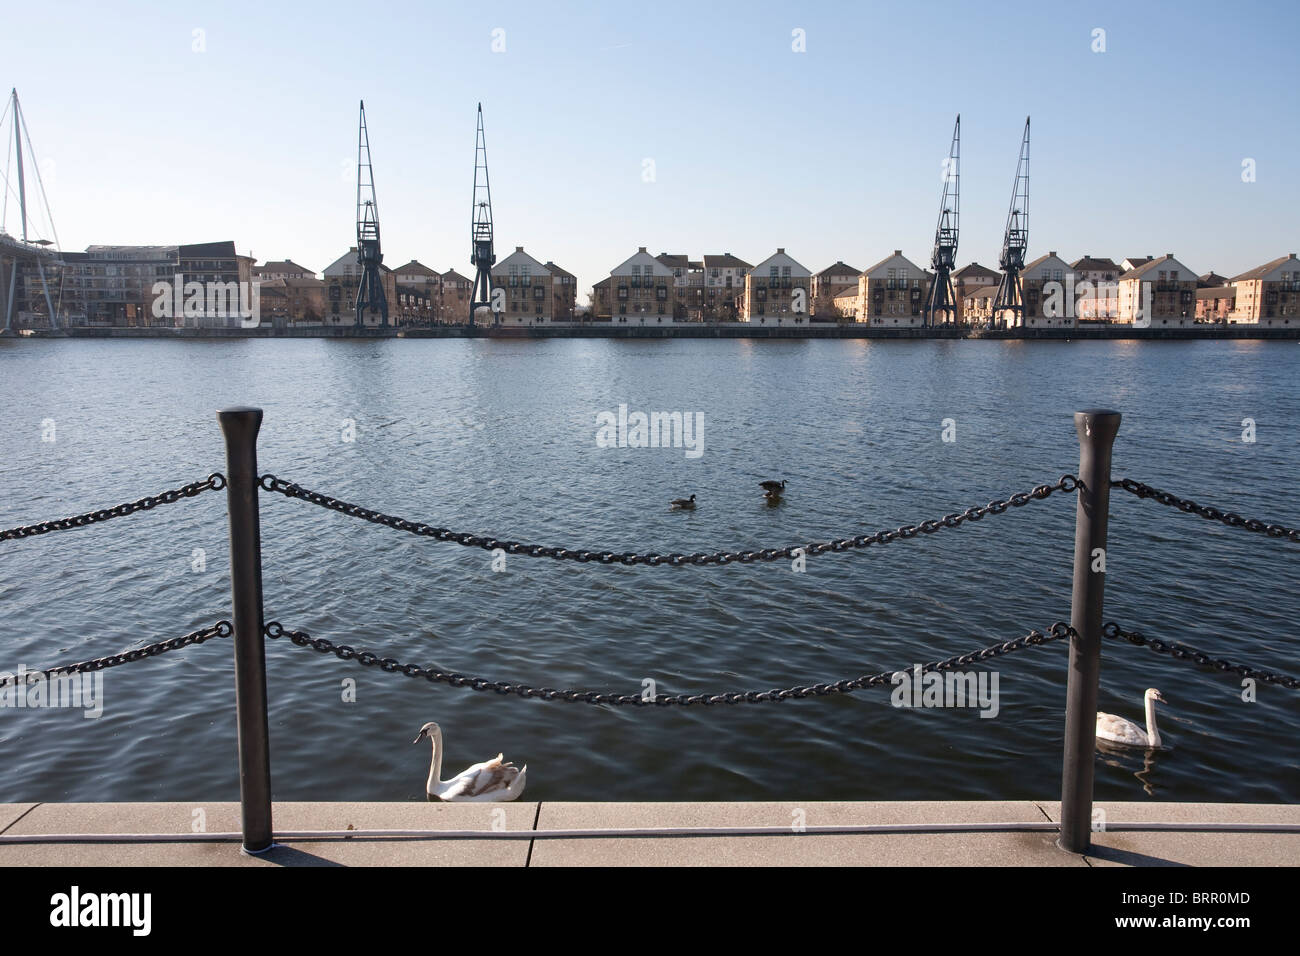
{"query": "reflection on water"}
[(498, 438), (1125, 758)]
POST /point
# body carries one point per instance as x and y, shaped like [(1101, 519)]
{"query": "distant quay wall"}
[(734, 330)]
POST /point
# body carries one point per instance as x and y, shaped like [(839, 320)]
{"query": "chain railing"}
[(1066, 483), (220, 629), (390, 665), (1085, 630), (1230, 518), (214, 482), (1182, 652)]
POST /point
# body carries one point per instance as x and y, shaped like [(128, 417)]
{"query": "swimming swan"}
[(1120, 731), (493, 780)]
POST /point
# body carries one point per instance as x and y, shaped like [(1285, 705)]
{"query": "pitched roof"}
[(1093, 264), (1263, 270), (1146, 267), (217, 249), (725, 261), (674, 261), (518, 257), (557, 271), (973, 269), (798, 269), (838, 268), (981, 291), (896, 254), (1040, 260), (451, 275), (282, 265), (1217, 292), (1212, 279), (415, 268)]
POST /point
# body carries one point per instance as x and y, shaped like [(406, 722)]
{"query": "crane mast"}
[(941, 301), (370, 291), (482, 254), (1015, 241)]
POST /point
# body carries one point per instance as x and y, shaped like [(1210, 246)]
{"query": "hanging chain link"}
[(214, 482), (1066, 483), (344, 652), (1229, 518), (220, 629), (1184, 653)]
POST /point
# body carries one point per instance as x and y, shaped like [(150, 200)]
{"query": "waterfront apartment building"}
[(1215, 303), (453, 300), (291, 301), (977, 304), (1046, 293), (724, 286), (115, 285), (1158, 293), (641, 289), (892, 292), (1096, 302), (525, 289), (342, 279), (967, 279), (602, 297), (1269, 294), (564, 292), (777, 291), (418, 291), (827, 285), (688, 286), (844, 306), (282, 269)]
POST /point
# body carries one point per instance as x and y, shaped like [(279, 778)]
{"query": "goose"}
[(495, 780), (773, 486), (687, 504), (1120, 731)]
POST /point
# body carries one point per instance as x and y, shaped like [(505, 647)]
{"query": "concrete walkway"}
[(786, 845)]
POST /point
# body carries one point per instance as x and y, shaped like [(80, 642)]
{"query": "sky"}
[(682, 127)]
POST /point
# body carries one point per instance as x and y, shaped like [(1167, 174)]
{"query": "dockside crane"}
[(1011, 293), (370, 292), (941, 301), (482, 254)]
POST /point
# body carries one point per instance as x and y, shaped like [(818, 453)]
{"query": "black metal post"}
[(240, 426), (1097, 429)]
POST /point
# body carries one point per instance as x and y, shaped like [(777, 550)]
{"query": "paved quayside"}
[(509, 838)]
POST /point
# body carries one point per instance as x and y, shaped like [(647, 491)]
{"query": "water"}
[(498, 437)]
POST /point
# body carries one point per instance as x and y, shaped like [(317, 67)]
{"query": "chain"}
[(1184, 653), (220, 629), (343, 652), (214, 482), (1066, 483), (1214, 514)]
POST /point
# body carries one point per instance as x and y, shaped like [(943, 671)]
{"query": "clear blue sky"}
[(833, 153)]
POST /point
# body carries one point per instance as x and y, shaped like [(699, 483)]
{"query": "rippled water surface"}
[(498, 438)]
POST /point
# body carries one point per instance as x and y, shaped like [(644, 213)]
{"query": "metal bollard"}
[(240, 426), (1097, 429)]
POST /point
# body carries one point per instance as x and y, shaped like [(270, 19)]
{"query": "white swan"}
[(1120, 731), (493, 780)]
